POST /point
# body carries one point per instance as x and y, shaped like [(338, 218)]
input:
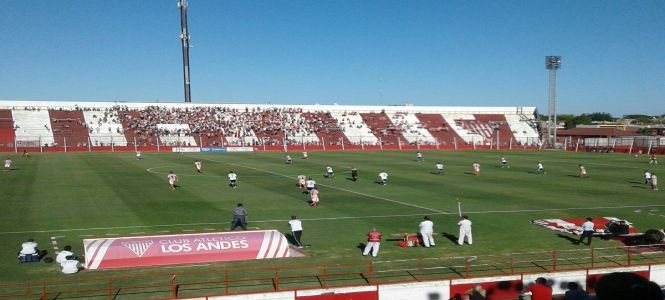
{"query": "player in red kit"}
[(373, 242)]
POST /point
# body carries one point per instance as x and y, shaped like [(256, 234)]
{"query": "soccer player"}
[(654, 182), (8, 164), (647, 176), (310, 184), (173, 179), (354, 174), (305, 155), (232, 179), (314, 197), (439, 168), (464, 231), (476, 168), (653, 160), (329, 172), (138, 154), (582, 171), (540, 169), (373, 242), (419, 156), (302, 179), (289, 160), (197, 164), (504, 163), (383, 178)]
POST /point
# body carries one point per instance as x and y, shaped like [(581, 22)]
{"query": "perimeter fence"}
[(235, 281)]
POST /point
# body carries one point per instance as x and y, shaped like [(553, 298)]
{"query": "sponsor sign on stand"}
[(227, 149), (185, 149), (159, 250)]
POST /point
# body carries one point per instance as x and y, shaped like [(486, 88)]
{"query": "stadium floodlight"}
[(184, 37), (552, 63)]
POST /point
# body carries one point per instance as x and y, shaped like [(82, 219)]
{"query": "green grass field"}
[(72, 196)]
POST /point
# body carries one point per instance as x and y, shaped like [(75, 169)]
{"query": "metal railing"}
[(298, 277)]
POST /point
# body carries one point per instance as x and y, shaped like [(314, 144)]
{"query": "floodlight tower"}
[(184, 37), (552, 63)]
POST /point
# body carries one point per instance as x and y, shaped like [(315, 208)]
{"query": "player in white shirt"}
[(198, 165), (383, 178), (539, 168), (476, 168), (464, 231), (29, 247), (71, 265), (329, 172), (138, 154), (314, 197), (233, 178), (582, 171), (62, 256), (427, 232), (419, 156), (439, 168), (504, 162), (647, 177), (302, 179), (296, 230), (305, 155), (173, 179), (289, 160), (310, 184), (8, 164)]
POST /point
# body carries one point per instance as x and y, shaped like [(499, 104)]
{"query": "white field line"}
[(333, 187), (327, 219)]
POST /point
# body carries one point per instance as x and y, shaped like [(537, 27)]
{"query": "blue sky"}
[(448, 53)]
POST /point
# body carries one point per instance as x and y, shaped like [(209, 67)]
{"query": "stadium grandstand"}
[(81, 126)]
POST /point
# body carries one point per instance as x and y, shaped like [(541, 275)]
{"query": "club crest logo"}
[(139, 248)]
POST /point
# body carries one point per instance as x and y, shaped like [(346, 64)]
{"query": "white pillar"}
[(323, 142), (455, 143), (632, 142), (40, 144), (136, 149), (89, 144), (577, 146), (64, 141), (341, 140)]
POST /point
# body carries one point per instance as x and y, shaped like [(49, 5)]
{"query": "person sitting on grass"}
[(71, 265), (29, 251), (62, 256)]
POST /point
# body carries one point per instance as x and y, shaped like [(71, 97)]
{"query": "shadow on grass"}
[(452, 238), (640, 187), (571, 239)]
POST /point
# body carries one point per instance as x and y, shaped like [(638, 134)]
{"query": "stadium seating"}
[(439, 128), (104, 127), (98, 124), (33, 127), (383, 128), (355, 129), (413, 131)]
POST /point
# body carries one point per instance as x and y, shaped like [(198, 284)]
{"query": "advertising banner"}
[(159, 250), (186, 149)]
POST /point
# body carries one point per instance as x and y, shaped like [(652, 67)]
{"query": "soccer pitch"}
[(61, 198)]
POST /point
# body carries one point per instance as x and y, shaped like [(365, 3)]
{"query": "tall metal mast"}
[(552, 63), (184, 37)]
